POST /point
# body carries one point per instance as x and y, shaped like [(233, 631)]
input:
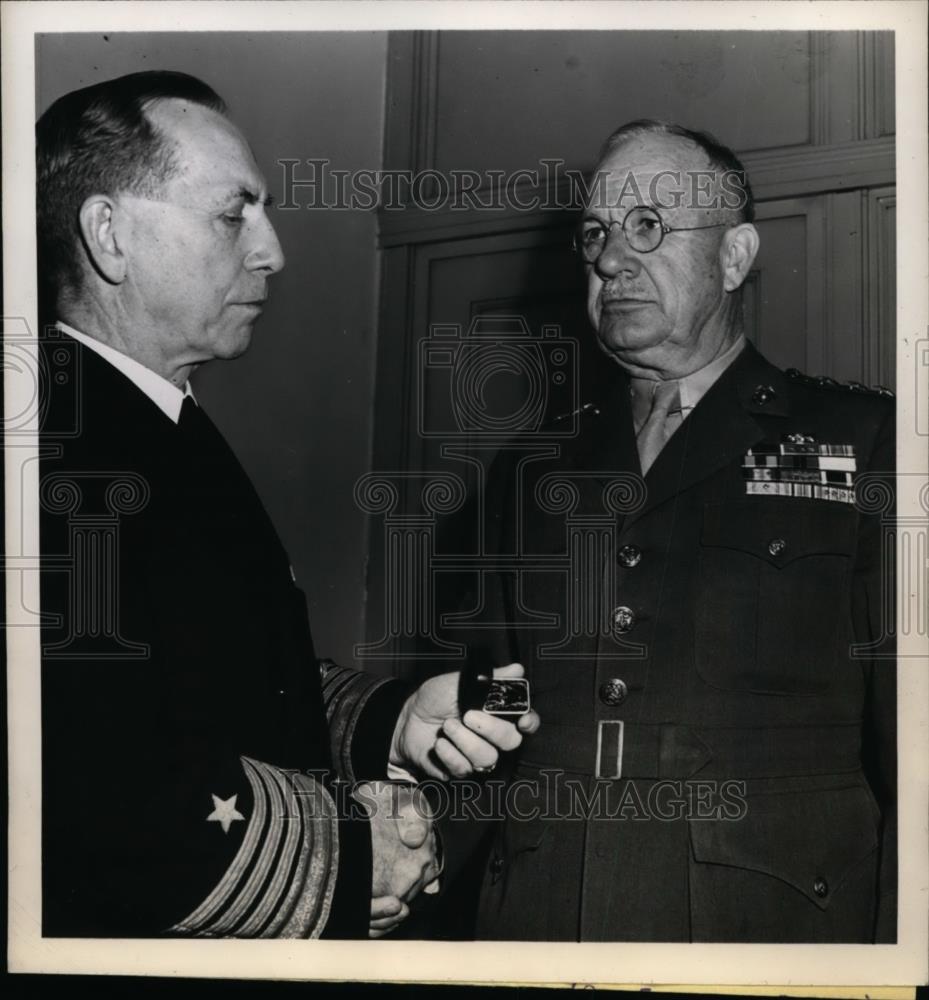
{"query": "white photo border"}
[(487, 962)]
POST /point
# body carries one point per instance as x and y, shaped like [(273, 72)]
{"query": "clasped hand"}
[(404, 848), (431, 739)]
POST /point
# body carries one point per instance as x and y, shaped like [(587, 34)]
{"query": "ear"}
[(740, 245), (98, 220)]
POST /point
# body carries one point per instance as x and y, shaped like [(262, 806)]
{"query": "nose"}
[(617, 256), (265, 254)]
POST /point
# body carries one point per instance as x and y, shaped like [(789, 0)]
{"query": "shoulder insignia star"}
[(224, 812)]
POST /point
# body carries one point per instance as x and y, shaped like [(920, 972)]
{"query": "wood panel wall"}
[(810, 114)]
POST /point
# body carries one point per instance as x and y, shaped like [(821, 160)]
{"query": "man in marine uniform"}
[(718, 756), (197, 757)]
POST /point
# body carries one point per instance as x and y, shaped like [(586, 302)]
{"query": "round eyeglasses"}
[(642, 227)]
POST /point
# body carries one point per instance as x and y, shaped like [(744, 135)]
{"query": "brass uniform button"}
[(613, 692), (821, 887), (777, 546), (629, 556), (623, 620)]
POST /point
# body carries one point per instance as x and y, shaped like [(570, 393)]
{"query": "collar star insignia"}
[(224, 812)]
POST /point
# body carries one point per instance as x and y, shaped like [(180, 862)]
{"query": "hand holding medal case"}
[(479, 689)]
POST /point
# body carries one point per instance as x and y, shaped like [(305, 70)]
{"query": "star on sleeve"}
[(224, 812)]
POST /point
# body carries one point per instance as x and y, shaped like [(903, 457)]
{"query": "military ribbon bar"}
[(799, 467)]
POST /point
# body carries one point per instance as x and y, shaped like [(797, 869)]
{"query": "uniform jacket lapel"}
[(605, 452), (727, 421), (721, 428), (610, 447)]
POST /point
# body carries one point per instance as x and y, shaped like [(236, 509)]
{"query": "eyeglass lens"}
[(641, 227)]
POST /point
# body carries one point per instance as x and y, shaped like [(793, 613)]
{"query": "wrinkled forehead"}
[(211, 150), (658, 170)]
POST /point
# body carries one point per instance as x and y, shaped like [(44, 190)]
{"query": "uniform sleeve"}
[(361, 711), (168, 804), (187, 785), (141, 843), (874, 591), (145, 838), (281, 881)]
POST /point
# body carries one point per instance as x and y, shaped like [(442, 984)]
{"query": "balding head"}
[(166, 252), (102, 140), (667, 248), (710, 158)]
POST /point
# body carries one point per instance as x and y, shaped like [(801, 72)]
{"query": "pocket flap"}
[(524, 835), (811, 839), (780, 530)]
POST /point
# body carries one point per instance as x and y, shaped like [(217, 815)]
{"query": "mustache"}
[(620, 287), (625, 295)]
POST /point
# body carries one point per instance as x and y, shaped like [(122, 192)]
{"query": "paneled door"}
[(483, 327)]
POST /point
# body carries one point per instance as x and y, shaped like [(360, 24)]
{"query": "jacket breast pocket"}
[(772, 597)]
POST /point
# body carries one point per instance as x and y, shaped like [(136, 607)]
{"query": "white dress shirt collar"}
[(692, 387), (167, 397), (696, 385)]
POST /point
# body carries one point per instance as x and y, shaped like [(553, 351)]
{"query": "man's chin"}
[(234, 345), (627, 341)]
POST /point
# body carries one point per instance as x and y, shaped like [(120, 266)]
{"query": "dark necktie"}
[(213, 469), (226, 501), (206, 444), (193, 422)]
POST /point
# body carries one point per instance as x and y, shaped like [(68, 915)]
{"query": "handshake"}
[(431, 740)]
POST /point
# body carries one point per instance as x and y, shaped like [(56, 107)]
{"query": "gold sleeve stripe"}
[(297, 883), (312, 906), (335, 683), (219, 897), (351, 721), (343, 684), (248, 894), (261, 893), (283, 873), (281, 882), (345, 692)]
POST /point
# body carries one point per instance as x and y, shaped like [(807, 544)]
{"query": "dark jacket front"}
[(187, 764), (714, 670)]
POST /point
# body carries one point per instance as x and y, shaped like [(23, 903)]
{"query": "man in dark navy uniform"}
[(718, 756), (196, 754)]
